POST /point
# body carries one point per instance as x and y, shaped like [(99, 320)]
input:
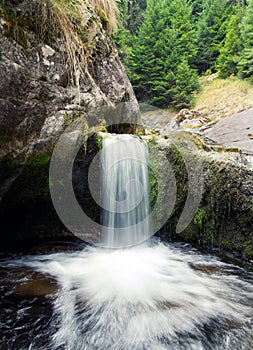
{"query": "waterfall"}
[(150, 296), (125, 190)]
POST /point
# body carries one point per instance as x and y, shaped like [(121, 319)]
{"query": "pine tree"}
[(197, 7), (229, 52), (186, 83), (210, 33), (165, 42), (132, 12), (245, 65)]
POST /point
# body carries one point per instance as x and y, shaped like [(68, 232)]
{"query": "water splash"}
[(148, 297)]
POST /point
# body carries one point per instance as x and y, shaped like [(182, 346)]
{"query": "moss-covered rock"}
[(225, 213), (57, 65), (27, 213)]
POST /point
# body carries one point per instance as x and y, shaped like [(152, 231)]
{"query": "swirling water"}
[(153, 296)]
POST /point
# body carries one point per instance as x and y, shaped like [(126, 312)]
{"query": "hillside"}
[(220, 98), (167, 46)]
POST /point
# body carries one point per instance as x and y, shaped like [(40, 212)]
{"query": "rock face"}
[(37, 93), (235, 131), (44, 87), (224, 217)]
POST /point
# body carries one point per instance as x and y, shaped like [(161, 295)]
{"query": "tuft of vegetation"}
[(109, 12)]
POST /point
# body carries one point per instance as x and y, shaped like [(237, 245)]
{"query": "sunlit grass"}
[(223, 97)]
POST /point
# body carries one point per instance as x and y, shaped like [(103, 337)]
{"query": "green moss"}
[(103, 18), (16, 25), (248, 249), (218, 148), (233, 149), (26, 209), (224, 216), (100, 141), (205, 147), (39, 160), (33, 182), (190, 234), (5, 11), (99, 137), (153, 186), (200, 218), (200, 144)]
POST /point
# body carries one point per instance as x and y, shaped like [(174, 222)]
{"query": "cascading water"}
[(125, 190), (147, 297)]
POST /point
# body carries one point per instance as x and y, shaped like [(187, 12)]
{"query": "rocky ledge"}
[(224, 154)]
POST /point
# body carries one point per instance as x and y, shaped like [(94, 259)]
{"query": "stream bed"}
[(151, 297)]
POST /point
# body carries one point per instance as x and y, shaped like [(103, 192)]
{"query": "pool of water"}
[(153, 296)]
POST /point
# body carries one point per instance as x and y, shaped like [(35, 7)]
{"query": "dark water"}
[(150, 297)]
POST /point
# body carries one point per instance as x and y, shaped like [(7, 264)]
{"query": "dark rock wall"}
[(41, 93)]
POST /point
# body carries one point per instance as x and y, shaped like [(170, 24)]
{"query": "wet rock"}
[(155, 118), (207, 268), (186, 114), (53, 125), (189, 119), (39, 286), (40, 96), (224, 215), (224, 218)]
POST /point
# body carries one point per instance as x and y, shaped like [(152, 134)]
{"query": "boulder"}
[(47, 83)]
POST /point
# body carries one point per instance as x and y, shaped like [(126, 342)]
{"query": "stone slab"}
[(234, 131)]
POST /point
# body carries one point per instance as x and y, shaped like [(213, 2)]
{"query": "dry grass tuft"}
[(74, 26), (111, 11), (77, 31), (220, 98), (79, 27)]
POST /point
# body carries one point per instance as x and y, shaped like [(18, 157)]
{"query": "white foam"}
[(132, 298)]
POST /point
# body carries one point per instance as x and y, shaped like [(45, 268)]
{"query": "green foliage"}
[(247, 25), (197, 6), (248, 249), (132, 14), (124, 41), (186, 83), (161, 51), (229, 53), (246, 64), (210, 33), (162, 43), (246, 60), (153, 188)]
